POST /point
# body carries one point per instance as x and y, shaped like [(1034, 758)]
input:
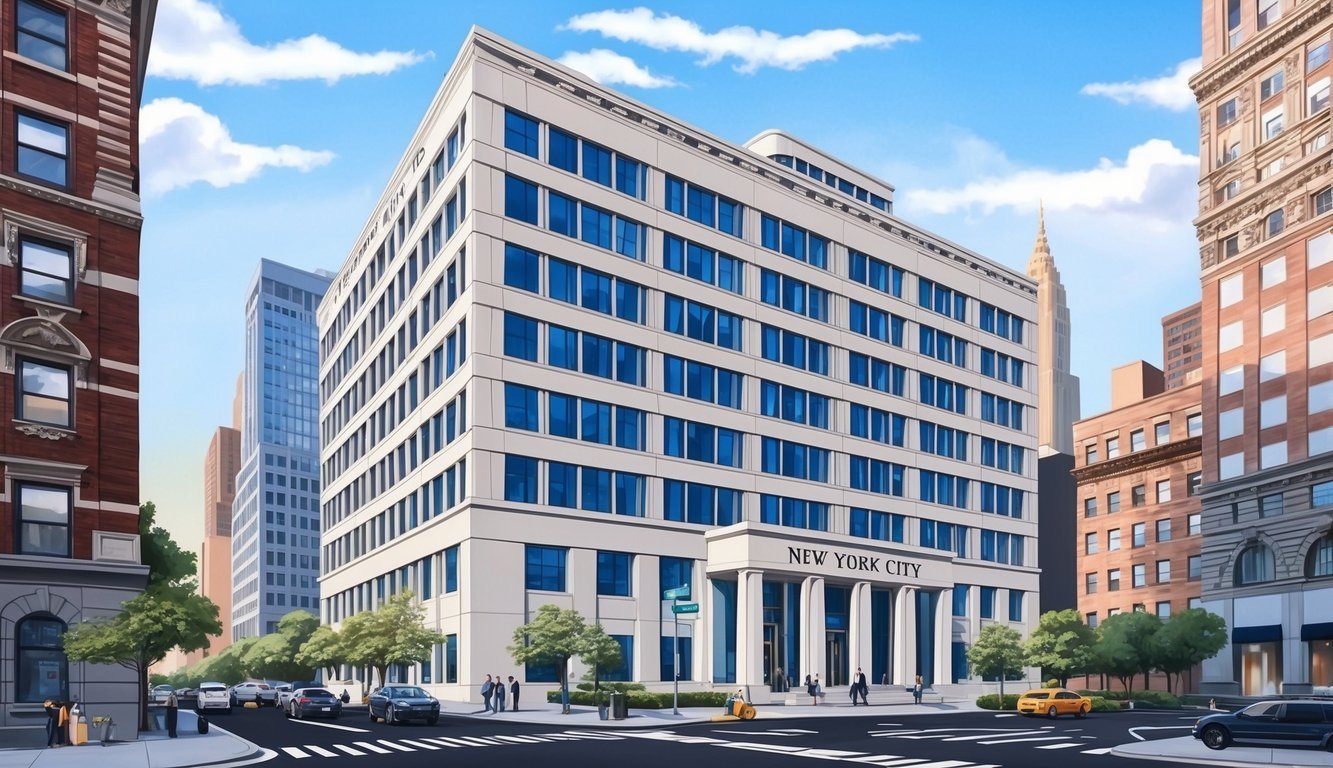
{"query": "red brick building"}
[(71, 76)]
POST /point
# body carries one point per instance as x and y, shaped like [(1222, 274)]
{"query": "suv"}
[(1281, 723), (260, 693), (211, 696)]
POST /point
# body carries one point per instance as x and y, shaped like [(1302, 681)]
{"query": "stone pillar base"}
[(1219, 688)]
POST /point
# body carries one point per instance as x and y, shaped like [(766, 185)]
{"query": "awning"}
[(1266, 634), (1321, 631)]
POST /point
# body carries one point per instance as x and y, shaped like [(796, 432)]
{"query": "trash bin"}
[(78, 727), (106, 728), (619, 708)]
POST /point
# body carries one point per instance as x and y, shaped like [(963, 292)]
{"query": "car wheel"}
[(1082, 711), (1216, 737), (1052, 713), (388, 716), (300, 713)]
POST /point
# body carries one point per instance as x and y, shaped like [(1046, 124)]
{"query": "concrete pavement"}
[(152, 750), (1188, 749)]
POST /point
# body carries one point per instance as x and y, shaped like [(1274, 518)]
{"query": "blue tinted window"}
[(596, 291), (700, 206), (522, 268), (675, 195), (563, 215), (596, 227), (520, 407), (629, 428), (544, 568), (563, 419), (520, 337), (630, 494), (562, 349), (596, 422), (730, 217), (596, 164), (630, 176), (629, 301), (520, 199), (564, 150), (451, 569), (630, 368), (598, 355), (521, 133), (596, 490), (613, 573), (562, 280), (562, 484), (629, 238), (520, 479), (673, 254)]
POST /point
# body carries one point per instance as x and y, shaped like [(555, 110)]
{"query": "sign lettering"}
[(851, 562)]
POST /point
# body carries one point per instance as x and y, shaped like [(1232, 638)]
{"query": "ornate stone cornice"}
[(1139, 461), (78, 203), (1261, 200), (43, 431), (1229, 69)]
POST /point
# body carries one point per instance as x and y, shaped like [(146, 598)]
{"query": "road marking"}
[(1015, 741), (330, 725), (295, 752), (418, 744), (757, 747), (451, 742), (437, 741), (398, 747), (518, 739), (1007, 715), (1135, 731), (1102, 751), (831, 754), (791, 730), (759, 733), (1060, 746), (885, 761), (322, 752), (349, 750), (951, 764), (476, 741), (978, 737), (371, 747)]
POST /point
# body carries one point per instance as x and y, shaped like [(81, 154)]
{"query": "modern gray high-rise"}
[(275, 519)]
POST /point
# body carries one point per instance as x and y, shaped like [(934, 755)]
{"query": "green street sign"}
[(679, 593), (685, 608)]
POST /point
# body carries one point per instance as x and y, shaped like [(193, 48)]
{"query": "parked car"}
[(1053, 702), (212, 696), (285, 691), (400, 703), (160, 693), (309, 702), (260, 693), (1289, 723)]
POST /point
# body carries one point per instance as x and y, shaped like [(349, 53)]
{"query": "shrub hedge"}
[(992, 701), (647, 699), (1141, 699)]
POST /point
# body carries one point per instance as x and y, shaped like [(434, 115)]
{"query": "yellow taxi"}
[(1053, 702)]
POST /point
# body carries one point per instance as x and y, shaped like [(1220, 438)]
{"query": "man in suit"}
[(487, 688), (861, 687), (499, 694), (513, 691)]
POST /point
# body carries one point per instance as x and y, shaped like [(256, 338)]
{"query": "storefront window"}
[(43, 672), (1321, 666), (1260, 668)]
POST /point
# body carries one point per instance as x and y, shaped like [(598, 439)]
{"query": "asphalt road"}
[(946, 740)]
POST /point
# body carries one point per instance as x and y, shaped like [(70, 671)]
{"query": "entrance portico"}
[(843, 602)]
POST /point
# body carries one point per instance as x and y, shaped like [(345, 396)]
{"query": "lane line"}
[(392, 745), (1102, 751), (1015, 741), (757, 747), (419, 745), (1060, 746), (322, 752), (887, 761), (1135, 731), (979, 737), (354, 752), (371, 747), (334, 726), (295, 752)]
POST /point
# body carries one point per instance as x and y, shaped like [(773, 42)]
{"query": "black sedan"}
[(400, 703), (1289, 723), (312, 702)]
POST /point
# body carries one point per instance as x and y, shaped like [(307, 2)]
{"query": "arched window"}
[(42, 670), (1255, 565), (1320, 560)]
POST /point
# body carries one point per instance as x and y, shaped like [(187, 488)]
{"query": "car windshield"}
[(1262, 709), (316, 692), (1035, 695), (407, 693)]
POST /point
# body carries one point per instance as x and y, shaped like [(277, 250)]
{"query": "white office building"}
[(583, 352)]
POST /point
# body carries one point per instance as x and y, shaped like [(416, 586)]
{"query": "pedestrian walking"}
[(513, 692), (810, 689), (860, 686), (173, 714), (487, 688), (52, 713), (819, 690), (499, 694), (916, 690)]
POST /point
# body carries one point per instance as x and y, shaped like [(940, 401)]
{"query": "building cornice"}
[(1230, 68), (1139, 461), (1265, 481)]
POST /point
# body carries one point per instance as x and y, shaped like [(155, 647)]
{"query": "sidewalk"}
[(153, 750), (542, 713), (1188, 749)]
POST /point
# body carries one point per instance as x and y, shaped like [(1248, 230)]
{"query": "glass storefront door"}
[(835, 657), (1260, 668), (772, 658)]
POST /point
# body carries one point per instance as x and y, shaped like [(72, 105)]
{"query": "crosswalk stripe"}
[(1102, 751), (886, 761), (542, 739), (517, 739), (759, 747), (322, 752), (477, 741), (439, 741), (1015, 741), (950, 764), (295, 752), (411, 743), (1060, 746), (371, 747), (827, 754), (392, 745), (453, 742), (349, 750)]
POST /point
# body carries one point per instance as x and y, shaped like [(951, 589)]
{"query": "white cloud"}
[(1155, 181), (610, 68), (753, 48), (1169, 91), (180, 144), (192, 40)]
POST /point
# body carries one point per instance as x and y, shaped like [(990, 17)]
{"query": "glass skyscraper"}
[(275, 520)]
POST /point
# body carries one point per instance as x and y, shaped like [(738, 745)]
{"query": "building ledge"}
[(1139, 461)]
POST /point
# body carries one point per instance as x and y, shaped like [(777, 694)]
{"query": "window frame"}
[(17, 490), (67, 158), (71, 252), (20, 413), (19, 649), (19, 31)]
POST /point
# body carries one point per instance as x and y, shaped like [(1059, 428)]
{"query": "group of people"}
[(57, 721), (858, 689), (493, 692)]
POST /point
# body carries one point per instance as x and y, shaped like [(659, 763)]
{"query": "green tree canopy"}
[(168, 564), (998, 651), (394, 633), (274, 657), (1062, 645), (322, 650), (1125, 646), (599, 651), (1188, 638), (554, 636)]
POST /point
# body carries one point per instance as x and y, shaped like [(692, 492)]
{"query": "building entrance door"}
[(835, 657), (772, 654)]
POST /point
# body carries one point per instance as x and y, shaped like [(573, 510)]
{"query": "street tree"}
[(322, 651), (1062, 645), (599, 652), (168, 614), (1186, 639), (275, 655), (394, 633), (1126, 647), (998, 651), (554, 636)]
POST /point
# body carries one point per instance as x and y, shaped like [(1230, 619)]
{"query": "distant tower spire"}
[(1057, 388)]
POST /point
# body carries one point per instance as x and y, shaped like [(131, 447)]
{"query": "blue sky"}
[(269, 130)]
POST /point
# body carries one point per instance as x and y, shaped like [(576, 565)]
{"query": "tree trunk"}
[(142, 673), (1146, 683), (383, 672), (564, 686)]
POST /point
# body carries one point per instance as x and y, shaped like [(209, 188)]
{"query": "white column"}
[(750, 628), (944, 637), (813, 633), (904, 636), (859, 637)]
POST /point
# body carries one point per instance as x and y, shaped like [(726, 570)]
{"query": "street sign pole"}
[(675, 595)]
